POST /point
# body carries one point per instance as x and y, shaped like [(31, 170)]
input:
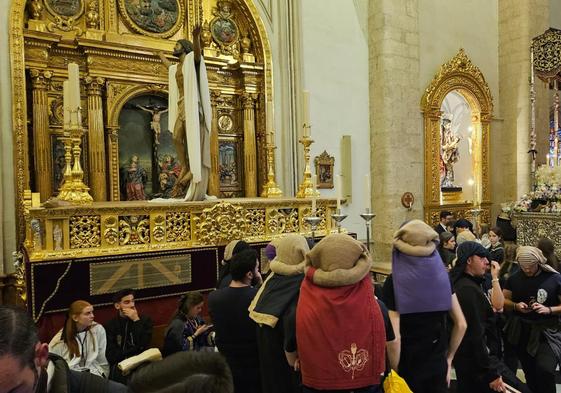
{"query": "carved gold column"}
[(214, 181), (113, 152), (250, 151), (96, 139), (41, 139)]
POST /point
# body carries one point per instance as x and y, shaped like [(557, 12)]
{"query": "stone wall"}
[(396, 137), (517, 26)]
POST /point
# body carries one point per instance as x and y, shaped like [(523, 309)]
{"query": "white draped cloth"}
[(197, 115)]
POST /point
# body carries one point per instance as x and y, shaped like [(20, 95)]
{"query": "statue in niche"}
[(155, 124), (190, 114), (134, 178), (57, 237), (450, 154)]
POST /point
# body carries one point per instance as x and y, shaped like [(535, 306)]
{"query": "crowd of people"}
[(312, 319)]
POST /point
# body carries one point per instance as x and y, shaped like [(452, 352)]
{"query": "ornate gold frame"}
[(131, 24), (324, 159), (98, 38), (458, 74), (73, 17)]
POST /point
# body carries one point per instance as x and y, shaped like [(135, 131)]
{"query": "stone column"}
[(517, 26), (96, 140), (396, 136), (42, 159), (214, 181), (250, 151)]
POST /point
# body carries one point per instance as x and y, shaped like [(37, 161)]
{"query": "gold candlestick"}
[(271, 190), (306, 188), (73, 188)]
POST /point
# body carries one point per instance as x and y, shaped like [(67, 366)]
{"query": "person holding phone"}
[(187, 330), (533, 294)]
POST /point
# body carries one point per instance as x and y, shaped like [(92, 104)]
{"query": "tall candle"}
[(339, 191), (270, 111), (367, 201), (306, 111), (314, 186), (66, 105), (74, 91)]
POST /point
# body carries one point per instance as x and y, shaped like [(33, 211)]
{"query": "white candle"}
[(270, 111), (314, 186), (367, 201), (66, 105), (339, 191), (74, 91), (306, 111)]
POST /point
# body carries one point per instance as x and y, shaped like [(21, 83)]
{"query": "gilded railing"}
[(112, 228)]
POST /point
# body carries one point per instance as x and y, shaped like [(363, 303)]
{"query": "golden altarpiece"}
[(463, 79), (162, 249)]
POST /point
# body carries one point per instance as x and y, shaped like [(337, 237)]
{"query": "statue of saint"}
[(449, 141), (190, 116), (156, 119), (133, 178)]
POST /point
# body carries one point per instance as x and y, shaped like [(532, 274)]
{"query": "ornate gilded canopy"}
[(547, 55)]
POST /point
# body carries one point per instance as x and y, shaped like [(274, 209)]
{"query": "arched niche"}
[(459, 85)]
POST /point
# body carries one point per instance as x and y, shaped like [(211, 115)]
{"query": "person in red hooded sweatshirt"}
[(339, 326)]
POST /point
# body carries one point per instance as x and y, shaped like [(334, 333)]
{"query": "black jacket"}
[(126, 338), (477, 311)]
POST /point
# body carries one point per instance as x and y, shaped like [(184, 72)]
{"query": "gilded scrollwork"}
[(531, 227), (255, 219), (85, 231), (159, 229), (282, 220), (178, 228), (134, 230), (111, 231), (546, 48), (222, 223)]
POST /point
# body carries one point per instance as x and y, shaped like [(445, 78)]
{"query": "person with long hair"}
[(447, 248), (496, 249), (81, 341), (187, 330), (548, 250)]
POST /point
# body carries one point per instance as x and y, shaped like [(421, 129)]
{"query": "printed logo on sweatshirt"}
[(353, 360)]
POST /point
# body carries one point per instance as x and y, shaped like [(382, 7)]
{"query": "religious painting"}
[(155, 18), (324, 170), (224, 31), (65, 8), (229, 165), (137, 144)]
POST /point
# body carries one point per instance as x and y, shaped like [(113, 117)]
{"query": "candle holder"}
[(73, 188), (475, 213), (338, 217), (271, 189), (306, 188), (313, 222), (367, 217)]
